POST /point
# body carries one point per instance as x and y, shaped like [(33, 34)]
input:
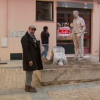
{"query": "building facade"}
[(17, 15)]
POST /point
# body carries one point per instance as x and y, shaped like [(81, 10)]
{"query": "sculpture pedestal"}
[(74, 71)]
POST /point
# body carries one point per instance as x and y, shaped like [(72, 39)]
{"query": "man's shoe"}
[(33, 88), (30, 89)]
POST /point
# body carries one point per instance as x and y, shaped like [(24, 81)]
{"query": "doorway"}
[(66, 15)]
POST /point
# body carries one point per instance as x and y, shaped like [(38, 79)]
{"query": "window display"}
[(65, 19)]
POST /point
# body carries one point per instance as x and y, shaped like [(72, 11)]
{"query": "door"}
[(66, 15)]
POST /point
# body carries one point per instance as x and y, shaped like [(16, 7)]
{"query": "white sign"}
[(16, 34), (64, 31), (4, 42)]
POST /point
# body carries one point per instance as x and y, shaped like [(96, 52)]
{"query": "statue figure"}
[(58, 56), (77, 34)]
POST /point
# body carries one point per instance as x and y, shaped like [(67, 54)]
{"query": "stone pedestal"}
[(74, 71)]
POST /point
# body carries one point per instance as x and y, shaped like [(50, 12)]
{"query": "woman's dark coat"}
[(31, 53)]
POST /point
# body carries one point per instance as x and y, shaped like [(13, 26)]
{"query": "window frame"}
[(52, 11)]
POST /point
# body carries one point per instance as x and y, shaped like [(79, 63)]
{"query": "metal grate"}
[(16, 56), (98, 1), (75, 5)]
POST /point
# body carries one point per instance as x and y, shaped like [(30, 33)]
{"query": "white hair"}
[(75, 11)]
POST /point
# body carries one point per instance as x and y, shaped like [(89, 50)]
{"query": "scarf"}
[(33, 36)]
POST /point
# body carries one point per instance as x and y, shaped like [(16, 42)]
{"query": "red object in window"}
[(60, 31), (64, 31), (68, 31)]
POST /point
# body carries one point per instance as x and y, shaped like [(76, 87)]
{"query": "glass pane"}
[(86, 42), (87, 32), (44, 11), (87, 22), (85, 16), (62, 19)]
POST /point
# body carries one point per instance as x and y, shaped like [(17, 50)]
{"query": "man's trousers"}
[(28, 78), (78, 45)]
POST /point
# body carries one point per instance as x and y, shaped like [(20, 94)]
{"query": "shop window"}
[(65, 20), (44, 11)]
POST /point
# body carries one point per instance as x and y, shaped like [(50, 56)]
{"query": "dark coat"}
[(31, 53), (45, 37)]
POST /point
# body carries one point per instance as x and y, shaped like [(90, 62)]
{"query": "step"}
[(75, 71)]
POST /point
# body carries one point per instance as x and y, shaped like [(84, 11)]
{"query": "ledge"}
[(45, 21), (75, 71)]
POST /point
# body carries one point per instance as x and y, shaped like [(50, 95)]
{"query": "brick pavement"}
[(78, 94), (16, 97), (14, 78), (11, 78), (12, 82)]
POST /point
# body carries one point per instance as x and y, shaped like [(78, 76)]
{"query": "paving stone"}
[(14, 79), (78, 94), (16, 97)]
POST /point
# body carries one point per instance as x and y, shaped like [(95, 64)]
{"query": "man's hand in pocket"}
[(31, 63)]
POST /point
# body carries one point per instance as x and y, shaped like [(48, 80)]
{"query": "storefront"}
[(64, 15), (17, 15)]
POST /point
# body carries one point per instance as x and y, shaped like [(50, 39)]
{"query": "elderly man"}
[(31, 57), (78, 33)]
